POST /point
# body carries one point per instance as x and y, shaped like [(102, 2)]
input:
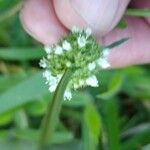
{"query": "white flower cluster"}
[(70, 53)]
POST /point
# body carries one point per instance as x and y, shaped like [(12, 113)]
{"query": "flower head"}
[(78, 51)]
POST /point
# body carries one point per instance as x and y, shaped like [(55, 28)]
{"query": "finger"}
[(40, 21), (134, 51), (100, 15)]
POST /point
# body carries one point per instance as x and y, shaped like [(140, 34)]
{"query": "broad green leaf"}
[(37, 108), (20, 145), (146, 147), (113, 87), (6, 118), (79, 99), (26, 145), (33, 135), (21, 54), (23, 93), (7, 81)]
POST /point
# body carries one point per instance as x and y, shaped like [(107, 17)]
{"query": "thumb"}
[(100, 15)]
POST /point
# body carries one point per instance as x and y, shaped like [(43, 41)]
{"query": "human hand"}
[(48, 20)]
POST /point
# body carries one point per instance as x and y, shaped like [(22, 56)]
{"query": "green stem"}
[(138, 12), (51, 118)]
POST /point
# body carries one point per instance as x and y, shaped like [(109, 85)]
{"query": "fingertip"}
[(67, 14), (39, 20)]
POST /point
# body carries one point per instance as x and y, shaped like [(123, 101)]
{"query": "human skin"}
[(48, 20)]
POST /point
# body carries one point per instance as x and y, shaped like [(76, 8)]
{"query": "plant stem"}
[(51, 118), (138, 12)]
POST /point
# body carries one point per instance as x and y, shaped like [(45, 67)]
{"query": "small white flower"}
[(81, 41), (53, 82), (43, 63), (67, 95), (75, 29), (58, 50), (92, 81), (88, 32), (66, 45), (47, 49), (103, 63), (52, 88), (91, 66), (47, 75), (105, 52)]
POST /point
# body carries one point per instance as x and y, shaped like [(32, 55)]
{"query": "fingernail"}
[(97, 13)]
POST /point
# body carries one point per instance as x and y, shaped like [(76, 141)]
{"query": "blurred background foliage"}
[(114, 116)]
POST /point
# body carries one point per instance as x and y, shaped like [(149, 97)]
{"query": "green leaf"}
[(136, 130), (11, 11), (23, 93), (113, 88), (79, 99), (37, 107), (26, 145), (6, 118), (137, 141), (91, 127), (33, 135), (21, 53), (7, 81), (111, 123), (146, 147)]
